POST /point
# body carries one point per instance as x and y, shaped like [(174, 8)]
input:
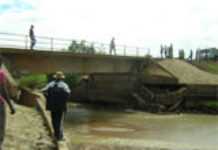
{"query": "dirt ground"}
[(188, 74), (26, 131), (107, 147)]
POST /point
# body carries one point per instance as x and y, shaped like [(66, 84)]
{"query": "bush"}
[(212, 104), (33, 81), (71, 79), (181, 54)]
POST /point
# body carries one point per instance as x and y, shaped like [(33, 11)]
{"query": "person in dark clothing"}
[(57, 94), (32, 37), (112, 46)]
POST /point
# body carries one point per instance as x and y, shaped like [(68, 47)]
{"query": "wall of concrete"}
[(25, 61), (107, 88)]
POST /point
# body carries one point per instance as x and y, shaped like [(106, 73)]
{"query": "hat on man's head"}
[(59, 75)]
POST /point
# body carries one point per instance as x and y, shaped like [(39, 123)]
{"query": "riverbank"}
[(26, 131)]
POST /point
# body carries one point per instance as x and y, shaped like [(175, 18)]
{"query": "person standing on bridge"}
[(4, 97), (32, 37), (112, 46), (57, 94)]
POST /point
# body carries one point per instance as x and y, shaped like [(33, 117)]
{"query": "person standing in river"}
[(4, 98), (57, 94)]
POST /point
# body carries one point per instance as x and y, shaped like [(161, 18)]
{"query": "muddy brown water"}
[(134, 129)]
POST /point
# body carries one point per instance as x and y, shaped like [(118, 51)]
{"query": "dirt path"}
[(26, 131)]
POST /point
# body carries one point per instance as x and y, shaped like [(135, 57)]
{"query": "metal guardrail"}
[(22, 41)]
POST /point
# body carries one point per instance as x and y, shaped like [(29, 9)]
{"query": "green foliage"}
[(209, 66), (33, 81), (50, 77), (148, 56), (167, 51), (81, 47), (212, 104), (181, 54), (213, 67), (170, 49), (71, 79)]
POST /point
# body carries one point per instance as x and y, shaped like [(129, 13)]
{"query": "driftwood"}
[(148, 106), (176, 106), (139, 100), (170, 98), (169, 101), (149, 92)]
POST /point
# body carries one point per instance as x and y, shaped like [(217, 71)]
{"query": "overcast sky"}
[(188, 24)]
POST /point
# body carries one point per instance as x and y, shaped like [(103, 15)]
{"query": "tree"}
[(170, 51), (181, 54), (81, 47)]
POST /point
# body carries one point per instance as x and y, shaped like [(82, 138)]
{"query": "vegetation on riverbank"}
[(189, 74), (37, 81), (33, 81), (209, 66), (212, 104)]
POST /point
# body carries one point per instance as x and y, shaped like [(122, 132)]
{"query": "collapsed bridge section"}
[(162, 84)]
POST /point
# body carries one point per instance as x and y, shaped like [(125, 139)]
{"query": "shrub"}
[(181, 54), (71, 79), (33, 81), (212, 104)]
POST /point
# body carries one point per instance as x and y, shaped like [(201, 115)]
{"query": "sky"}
[(187, 24)]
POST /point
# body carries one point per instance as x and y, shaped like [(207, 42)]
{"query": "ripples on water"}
[(131, 128)]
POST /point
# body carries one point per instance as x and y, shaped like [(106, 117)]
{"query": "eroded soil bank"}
[(26, 131)]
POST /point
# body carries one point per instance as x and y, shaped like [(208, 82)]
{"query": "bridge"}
[(26, 61), (52, 54)]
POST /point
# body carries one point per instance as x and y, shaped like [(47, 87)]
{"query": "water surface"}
[(85, 125)]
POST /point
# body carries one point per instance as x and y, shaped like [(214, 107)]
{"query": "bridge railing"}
[(22, 41)]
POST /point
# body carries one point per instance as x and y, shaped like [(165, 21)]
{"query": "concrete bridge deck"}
[(36, 61), (24, 61)]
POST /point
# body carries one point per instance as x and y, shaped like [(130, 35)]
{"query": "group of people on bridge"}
[(167, 52), (112, 46)]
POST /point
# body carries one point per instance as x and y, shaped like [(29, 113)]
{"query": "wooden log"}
[(140, 101)]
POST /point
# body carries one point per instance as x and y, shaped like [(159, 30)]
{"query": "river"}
[(105, 129)]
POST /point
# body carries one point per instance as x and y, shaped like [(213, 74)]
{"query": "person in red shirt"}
[(4, 98)]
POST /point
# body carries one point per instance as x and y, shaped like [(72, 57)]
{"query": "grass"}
[(209, 66)]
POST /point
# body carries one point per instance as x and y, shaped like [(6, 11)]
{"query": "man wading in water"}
[(57, 93), (4, 97)]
